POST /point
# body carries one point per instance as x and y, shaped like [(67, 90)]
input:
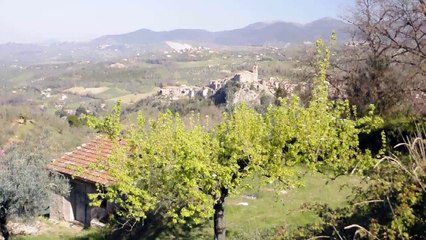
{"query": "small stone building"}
[(78, 166)]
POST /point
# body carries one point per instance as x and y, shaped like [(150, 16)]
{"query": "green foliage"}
[(110, 125), (77, 119), (323, 135), (170, 169), (392, 205), (284, 211), (397, 129), (245, 149), (185, 106), (74, 121), (180, 172), (25, 183)]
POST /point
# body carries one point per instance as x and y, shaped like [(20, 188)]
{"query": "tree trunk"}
[(4, 232), (3, 224), (219, 216)]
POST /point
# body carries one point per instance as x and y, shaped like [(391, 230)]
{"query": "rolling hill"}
[(255, 34), (118, 46)]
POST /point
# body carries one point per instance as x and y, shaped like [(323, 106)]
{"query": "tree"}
[(170, 170), (185, 173), (25, 183), (393, 28), (386, 65)]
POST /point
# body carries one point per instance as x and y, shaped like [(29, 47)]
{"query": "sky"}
[(82, 20)]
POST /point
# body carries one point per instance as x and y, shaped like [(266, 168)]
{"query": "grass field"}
[(265, 210)]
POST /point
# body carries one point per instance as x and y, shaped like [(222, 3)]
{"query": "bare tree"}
[(386, 62), (397, 25)]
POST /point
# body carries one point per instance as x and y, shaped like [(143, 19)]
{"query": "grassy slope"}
[(270, 210)]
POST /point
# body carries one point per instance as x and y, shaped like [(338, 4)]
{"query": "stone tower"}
[(255, 73)]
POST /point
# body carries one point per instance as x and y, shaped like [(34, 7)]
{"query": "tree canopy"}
[(184, 172)]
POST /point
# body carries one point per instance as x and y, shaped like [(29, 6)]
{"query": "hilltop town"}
[(248, 81)]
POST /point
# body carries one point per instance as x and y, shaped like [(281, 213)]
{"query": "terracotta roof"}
[(81, 163)]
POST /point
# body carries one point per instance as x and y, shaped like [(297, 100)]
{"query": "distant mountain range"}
[(122, 45), (255, 34)]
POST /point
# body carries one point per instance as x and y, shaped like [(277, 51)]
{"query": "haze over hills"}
[(106, 47), (260, 33)]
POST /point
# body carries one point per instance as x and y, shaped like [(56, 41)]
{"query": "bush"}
[(74, 121), (396, 129), (391, 206), (25, 183)]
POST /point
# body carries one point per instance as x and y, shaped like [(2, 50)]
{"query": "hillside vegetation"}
[(252, 133)]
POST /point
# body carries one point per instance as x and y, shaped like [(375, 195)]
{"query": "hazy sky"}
[(81, 20)]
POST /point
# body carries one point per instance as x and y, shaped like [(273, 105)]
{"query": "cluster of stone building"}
[(244, 78), (178, 92)]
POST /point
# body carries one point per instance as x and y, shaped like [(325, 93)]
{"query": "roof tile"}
[(79, 163)]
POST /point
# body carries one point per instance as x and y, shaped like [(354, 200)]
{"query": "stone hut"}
[(77, 166)]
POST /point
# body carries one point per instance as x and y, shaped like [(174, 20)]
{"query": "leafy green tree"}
[(185, 173), (170, 171), (323, 135)]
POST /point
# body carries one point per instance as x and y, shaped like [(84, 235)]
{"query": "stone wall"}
[(60, 208)]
